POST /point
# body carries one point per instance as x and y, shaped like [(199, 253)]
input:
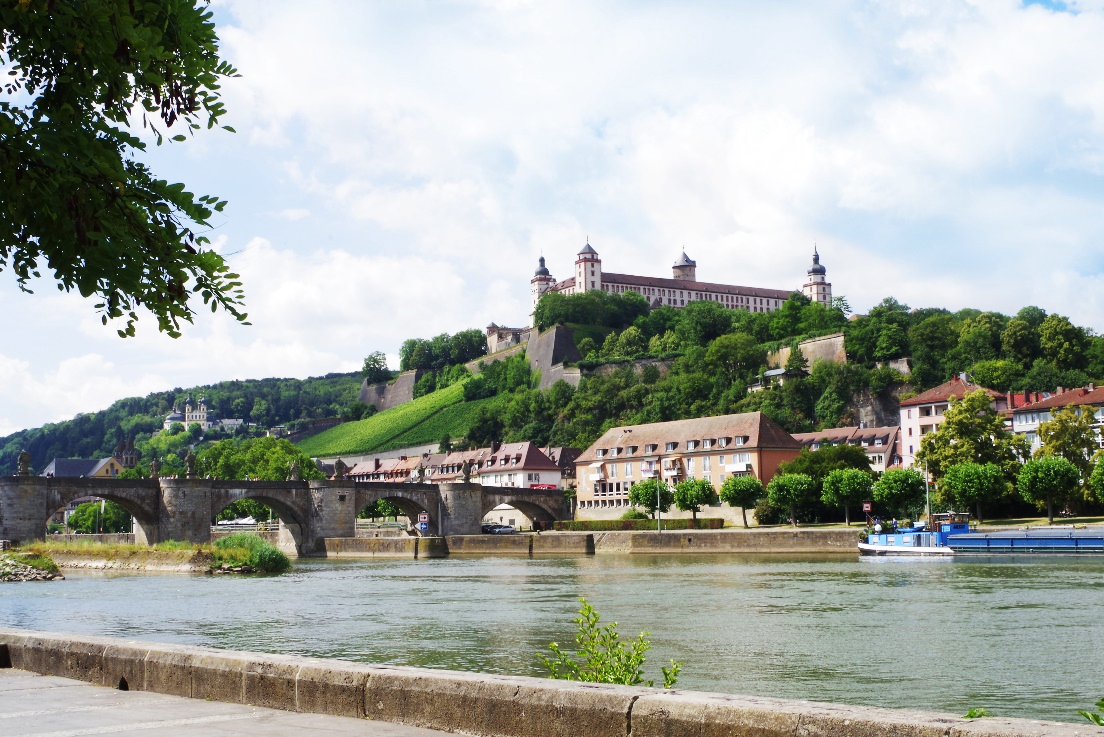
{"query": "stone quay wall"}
[(472, 703)]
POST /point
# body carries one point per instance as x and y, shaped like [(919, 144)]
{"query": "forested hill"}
[(266, 402)]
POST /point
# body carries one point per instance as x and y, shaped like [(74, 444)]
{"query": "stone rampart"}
[(472, 703), (825, 348), (392, 393)]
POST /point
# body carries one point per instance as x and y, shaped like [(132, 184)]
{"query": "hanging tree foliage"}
[(76, 200)]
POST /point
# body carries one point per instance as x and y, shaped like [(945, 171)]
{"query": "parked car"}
[(488, 529), (504, 530)]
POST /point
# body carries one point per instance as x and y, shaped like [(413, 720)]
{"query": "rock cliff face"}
[(827, 348), (876, 410)]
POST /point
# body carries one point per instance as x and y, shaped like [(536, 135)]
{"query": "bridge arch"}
[(542, 508), (289, 501), (140, 503), (411, 499)]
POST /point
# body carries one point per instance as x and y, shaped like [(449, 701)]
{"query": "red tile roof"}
[(1068, 398), (956, 387)]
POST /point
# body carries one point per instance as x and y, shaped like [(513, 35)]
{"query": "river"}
[(1021, 637)]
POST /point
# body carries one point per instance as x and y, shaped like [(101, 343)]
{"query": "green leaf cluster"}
[(602, 656), (77, 200)]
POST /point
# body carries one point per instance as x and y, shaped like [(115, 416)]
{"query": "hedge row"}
[(616, 525)]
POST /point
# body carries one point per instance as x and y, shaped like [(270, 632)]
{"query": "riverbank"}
[(765, 541), (472, 703), (234, 554), (21, 567)]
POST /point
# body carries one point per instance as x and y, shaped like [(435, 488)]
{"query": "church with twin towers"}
[(677, 291)]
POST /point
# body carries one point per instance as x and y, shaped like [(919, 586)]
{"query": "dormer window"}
[(692, 444), (708, 443), (601, 452), (651, 447), (724, 442), (671, 446), (632, 450), (739, 440)]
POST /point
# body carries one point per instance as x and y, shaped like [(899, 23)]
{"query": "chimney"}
[(376, 461), (1010, 398), (1091, 387), (495, 445), (1061, 390)]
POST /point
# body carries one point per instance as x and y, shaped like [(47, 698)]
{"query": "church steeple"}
[(817, 288)]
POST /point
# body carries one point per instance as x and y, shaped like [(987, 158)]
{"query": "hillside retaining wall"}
[(472, 703)]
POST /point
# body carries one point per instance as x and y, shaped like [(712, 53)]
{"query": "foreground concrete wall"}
[(472, 703)]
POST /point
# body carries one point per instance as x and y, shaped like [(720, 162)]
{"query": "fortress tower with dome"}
[(677, 291)]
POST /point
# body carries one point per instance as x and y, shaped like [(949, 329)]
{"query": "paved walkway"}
[(44, 706)]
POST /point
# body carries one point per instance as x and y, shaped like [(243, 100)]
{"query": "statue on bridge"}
[(24, 463), (190, 465), (466, 469), (339, 470), (293, 473), (155, 469)]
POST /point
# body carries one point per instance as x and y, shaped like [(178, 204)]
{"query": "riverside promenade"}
[(226, 692), (33, 705)]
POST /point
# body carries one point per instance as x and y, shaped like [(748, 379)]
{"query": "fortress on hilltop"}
[(677, 291)]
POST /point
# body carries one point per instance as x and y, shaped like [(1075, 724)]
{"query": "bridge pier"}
[(461, 510), (185, 510)]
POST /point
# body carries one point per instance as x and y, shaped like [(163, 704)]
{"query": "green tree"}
[(846, 486), (379, 508), (77, 201), (375, 369), (1047, 478), (742, 492), (668, 342), (971, 432), (735, 356), (650, 494), (264, 459), (609, 346), (587, 346), (445, 446), (789, 490), (702, 321), (796, 365), (244, 508), (892, 343), (1070, 434), (817, 464), (968, 485), (631, 342), (1020, 342), (1000, 374), (1096, 478), (900, 490), (692, 494), (1063, 343), (87, 518)]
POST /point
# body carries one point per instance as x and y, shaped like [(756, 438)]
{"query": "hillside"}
[(421, 422), (263, 401)]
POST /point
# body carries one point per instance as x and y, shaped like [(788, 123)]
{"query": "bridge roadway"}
[(310, 511), (33, 705)]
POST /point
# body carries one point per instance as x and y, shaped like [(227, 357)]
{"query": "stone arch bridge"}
[(310, 511)]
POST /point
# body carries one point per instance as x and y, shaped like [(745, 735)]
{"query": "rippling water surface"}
[(1022, 637)]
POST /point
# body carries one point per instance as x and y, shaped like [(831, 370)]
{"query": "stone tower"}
[(541, 282), (588, 270), (685, 268), (817, 289)]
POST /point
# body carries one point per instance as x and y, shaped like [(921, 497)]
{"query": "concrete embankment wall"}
[(763, 541), (755, 541), (472, 703), (111, 538)]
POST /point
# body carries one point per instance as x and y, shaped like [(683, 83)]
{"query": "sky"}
[(398, 168)]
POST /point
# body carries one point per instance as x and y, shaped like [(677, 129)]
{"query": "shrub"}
[(768, 514), (634, 514), (242, 548)]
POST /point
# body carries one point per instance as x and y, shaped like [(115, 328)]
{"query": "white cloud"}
[(400, 167)]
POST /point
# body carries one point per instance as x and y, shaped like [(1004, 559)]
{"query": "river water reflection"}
[(1021, 637)]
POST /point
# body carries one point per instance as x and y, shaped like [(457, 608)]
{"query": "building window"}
[(689, 466), (628, 470), (613, 470), (671, 446), (705, 464)]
